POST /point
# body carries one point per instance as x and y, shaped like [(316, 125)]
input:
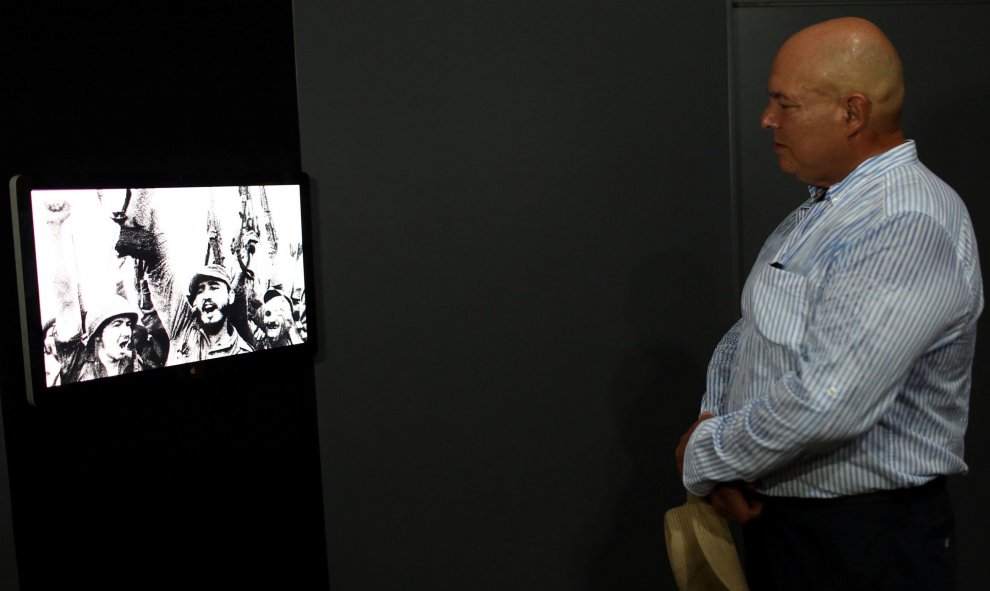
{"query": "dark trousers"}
[(897, 540)]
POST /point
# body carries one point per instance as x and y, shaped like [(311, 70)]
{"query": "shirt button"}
[(832, 391)]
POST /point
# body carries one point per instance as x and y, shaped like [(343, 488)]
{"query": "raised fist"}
[(56, 210)]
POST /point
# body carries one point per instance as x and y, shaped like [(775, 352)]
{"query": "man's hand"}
[(56, 210), (137, 242), (731, 502), (682, 445)]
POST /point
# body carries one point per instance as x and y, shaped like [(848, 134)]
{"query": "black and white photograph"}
[(131, 279)]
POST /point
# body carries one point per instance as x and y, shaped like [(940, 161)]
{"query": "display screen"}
[(120, 277)]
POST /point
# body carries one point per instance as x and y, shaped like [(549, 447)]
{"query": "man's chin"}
[(122, 356), (210, 319), (791, 168)]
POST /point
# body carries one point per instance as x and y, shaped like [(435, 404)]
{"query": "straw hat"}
[(700, 547)]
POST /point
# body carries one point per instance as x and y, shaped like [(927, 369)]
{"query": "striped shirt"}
[(850, 369)]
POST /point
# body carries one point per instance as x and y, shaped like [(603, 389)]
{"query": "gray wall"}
[(531, 239), (525, 254)]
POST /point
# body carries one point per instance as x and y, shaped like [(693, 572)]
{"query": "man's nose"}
[(768, 120)]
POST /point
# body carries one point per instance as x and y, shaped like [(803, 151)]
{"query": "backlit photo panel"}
[(132, 279)]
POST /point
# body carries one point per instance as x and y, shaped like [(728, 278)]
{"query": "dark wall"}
[(525, 249), (212, 481), (531, 243)]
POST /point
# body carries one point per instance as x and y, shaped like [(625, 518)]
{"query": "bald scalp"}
[(849, 55)]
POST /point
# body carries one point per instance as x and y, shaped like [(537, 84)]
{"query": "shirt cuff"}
[(699, 455)]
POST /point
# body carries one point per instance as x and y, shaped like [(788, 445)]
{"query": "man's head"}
[(210, 294), (52, 365), (836, 93), (110, 329), (276, 315)]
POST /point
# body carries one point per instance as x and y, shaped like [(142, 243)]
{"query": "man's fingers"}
[(730, 503), (755, 508)]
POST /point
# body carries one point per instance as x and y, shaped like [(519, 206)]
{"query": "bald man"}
[(837, 405)]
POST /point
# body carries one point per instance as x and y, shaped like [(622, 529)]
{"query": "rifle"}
[(270, 229), (213, 240), (244, 245)]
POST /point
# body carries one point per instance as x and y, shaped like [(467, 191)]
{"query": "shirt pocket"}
[(777, 301)]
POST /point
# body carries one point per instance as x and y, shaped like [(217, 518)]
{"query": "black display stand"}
[(216, 481)]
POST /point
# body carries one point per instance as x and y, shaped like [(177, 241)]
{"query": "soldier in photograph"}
[(102, 339), (276, 321), (196, 319)]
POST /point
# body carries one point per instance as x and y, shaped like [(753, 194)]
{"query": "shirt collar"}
[(867, 170), (226, 341), (817, 193)]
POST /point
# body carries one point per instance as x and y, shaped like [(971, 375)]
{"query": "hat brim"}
[(700, 548)]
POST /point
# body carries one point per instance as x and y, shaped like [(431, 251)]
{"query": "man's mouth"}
[(208, 307)]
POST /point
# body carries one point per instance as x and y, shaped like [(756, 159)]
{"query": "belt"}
[(929, 489)]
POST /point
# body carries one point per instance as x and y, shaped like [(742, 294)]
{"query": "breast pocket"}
[(776, 302)]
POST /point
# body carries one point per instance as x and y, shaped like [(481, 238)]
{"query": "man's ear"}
[(231, 296), (857, 112)]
